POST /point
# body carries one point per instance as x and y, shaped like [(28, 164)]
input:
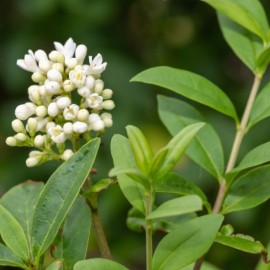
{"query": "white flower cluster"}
[(66, 102)]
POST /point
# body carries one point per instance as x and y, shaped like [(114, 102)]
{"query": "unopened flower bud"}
[(54, 75), (45, 65), (31, 125), (90, 81), (71, 63), (68, 86), (11, 141), (80, 53), (37, 77), (68, 128), (21, 137), (107, 93), (52, 87), (40, 55), (83, 115), (34, 158), (53, 109), (98, 125), (99, 85), (41, 111), (108, 105), (24, 111), (67, 154), (39, 140), (84, 92), (63, 102), (18, 126), (80, 127), (59, 67), (56, 56)]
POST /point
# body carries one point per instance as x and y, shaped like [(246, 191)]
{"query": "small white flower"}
[(18, 126), (54, 75), (57, 134), (71, 63), (24, 111), (58, 66), (83, 115), (68, 128), (90, 81), (68, 86), (77, 77), (71, 112), (95, 122), (80, 53), (29, 62), (39, 140), (94, 101), (67, 154), (53, 109), (84, 92), (38, 77), (56, 57), (52, 87), (45, 65), (41, 123), (108, 105), (11, 141), (50, 125), (80, 127), (67, 49), (63, 102), (96, 65), (107, 119), (40, 55)]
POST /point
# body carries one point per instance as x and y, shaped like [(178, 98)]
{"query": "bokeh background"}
[(132, 35)]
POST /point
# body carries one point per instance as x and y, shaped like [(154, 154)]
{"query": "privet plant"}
[(68, 107)]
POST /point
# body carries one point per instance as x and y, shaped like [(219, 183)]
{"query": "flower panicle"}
[(67, 102)]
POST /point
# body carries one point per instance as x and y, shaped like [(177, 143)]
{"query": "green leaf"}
[(20, 201), (250, 190), (247, 13), (123, 157), (177, 146), (205, 266), (56, 265), (177, 206), (261, 107), (8, 258), (190, 85), (133, 173), (141, 149), (13, 234), (76, 232), (241, 242), (257, 156), (263, 58), (98, 264), (175, 184), (187, 243), (59, 194), (205, 149), (238, 38)]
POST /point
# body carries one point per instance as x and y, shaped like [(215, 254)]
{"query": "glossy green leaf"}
[(177, 146), (261, 107), (247, 13), (13, 234), (238, 38), (175, 184), (257, 156), (20, 201), (8, 258), (205, 149), (187, 243), (75, 234), (263, 58), (123, 157), (190, 85), (98, 264), (140, 147), (177, 206), (59, 194), (250, 190), (241, 242)]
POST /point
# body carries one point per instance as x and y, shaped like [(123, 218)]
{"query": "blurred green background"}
[(132, 35)]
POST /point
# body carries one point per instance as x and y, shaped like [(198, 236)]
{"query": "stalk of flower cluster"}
[(240, 133), (149, 231)]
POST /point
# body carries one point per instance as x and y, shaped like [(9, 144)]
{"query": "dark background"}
[(132, 36)]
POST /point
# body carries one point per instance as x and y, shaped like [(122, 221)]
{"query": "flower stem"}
[(149, 232), (241, 131)]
